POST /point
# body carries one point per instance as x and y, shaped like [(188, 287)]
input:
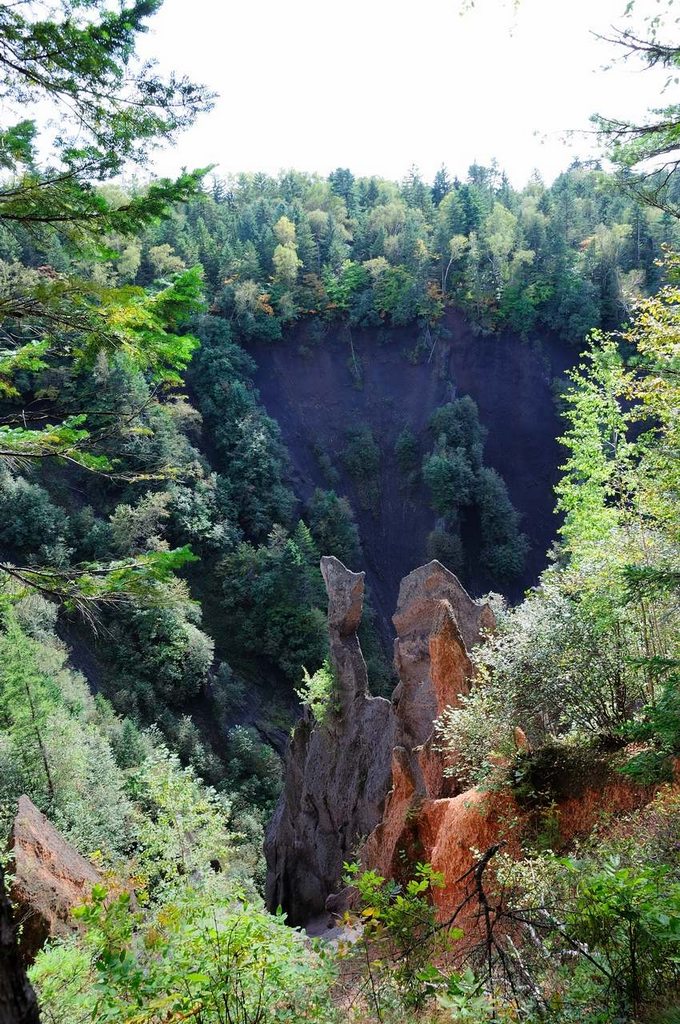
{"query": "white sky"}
[(378, 85)]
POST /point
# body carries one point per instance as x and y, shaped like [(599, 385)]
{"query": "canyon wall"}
[(369, 784), (310, 390), (339, 772)]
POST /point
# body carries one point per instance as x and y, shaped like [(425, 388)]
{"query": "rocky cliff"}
[(339, 773), (311, 392), (369, 783), (50, 878)]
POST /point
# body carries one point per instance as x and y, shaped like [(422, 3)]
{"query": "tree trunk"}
[(18, 1004)]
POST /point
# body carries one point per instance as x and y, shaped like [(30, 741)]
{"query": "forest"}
[(163, 619)]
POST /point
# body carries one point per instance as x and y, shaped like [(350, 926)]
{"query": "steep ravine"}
[(310, 391), (369, 783)]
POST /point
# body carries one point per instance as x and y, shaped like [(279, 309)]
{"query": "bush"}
[(459, 482), (630, 919), (457, 424), (451, 480), (227, 956), (317, 692), (331, 524), (273, 596), (253, 772), (504, 548), (158, 657), (407, 450), (398, 940), (28, 519), (361, 458), (55, 748)]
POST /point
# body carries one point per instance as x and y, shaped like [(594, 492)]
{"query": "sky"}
[(381, 85)]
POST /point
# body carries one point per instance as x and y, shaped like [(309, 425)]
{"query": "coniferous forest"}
[(223, 797)]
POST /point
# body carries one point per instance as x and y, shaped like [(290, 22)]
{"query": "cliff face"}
[(369, 783), (309, 389), (337, 772)]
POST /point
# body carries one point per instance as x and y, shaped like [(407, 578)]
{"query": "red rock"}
[(50, 878), (377, 764)]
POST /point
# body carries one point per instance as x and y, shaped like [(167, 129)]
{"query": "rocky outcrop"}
[(50, 878), (451, 832), (373, 771), (437, 625), (337, 772), (18, 1004)]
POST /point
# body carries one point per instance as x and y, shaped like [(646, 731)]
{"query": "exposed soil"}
[(312, 393)]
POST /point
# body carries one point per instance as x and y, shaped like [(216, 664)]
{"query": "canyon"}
[(311, 390), (369, 784)]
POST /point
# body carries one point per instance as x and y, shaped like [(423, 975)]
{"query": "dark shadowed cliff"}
[(319, 391)]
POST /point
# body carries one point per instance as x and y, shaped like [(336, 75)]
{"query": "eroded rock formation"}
[(437, 625), (370, 782), (337, 772), (50, 878)]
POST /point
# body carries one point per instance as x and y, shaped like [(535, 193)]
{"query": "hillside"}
[(312, 393), (339, 549)]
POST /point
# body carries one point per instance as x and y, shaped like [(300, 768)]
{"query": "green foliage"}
[(331, 524), (273, 595), (460, 485), (182, 831), (399, 938), (361, 458), (457, 423), (249, 452), (82, 62), (450, 479), (636, 148), (407, 451), (463, 994), (28, 519), (58, 324), (593, 650), (504, 548), (568, 257), (318, 691), (197, 954), (253, 774), (630, 918), (159, 656), (108, 482), (659, 725), (603, 923), (54, 743)]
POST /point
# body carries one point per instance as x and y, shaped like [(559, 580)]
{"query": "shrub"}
[(504, 548), (227, 958), (28, 518), (361, 458), (331, 523), (318, 692), (407, 450)]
